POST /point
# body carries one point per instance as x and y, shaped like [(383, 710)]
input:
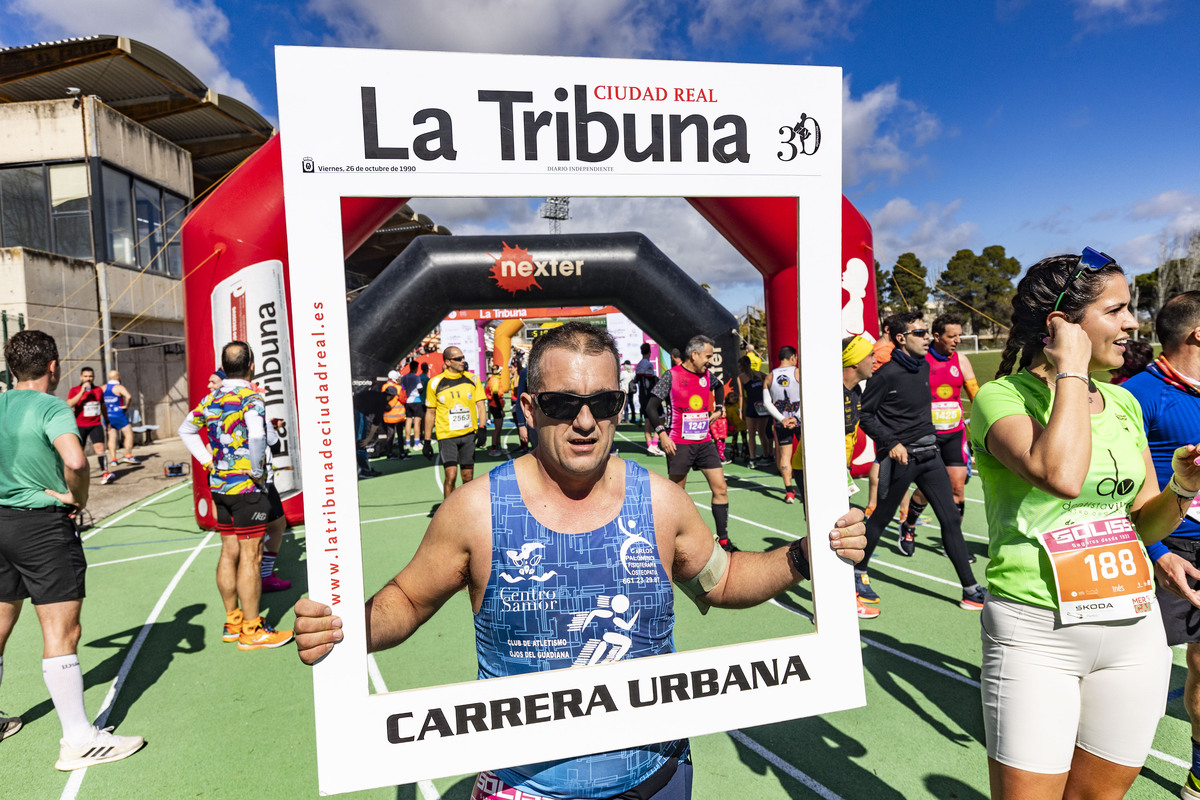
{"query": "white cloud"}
[(1179, 208), (877, 129), (932, 232), (1132, 12), (188, 31), (627, 28)]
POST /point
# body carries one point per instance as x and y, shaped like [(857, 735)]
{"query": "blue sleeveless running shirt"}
[(112, 405), (557, 600)]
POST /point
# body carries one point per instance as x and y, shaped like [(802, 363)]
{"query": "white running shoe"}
[(8, 725), (129, 460), (103, 747), (655, 450)]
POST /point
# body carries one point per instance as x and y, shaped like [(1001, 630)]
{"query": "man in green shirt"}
[(43, 481)]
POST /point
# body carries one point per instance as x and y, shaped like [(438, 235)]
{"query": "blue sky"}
[(1040, 126)]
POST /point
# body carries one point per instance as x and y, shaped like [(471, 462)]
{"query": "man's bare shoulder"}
[(466, 513)]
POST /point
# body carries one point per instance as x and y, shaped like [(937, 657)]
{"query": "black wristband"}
[(799, 560)]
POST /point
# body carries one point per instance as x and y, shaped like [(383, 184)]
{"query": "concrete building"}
[(104, 143)]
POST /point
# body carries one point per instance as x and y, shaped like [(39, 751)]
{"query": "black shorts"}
[(41, 556), (700, 455), (458, 451), (786, 437), (276, 503), (242, 515), (1180, 618), (95, 433), (414, 410), (953, 447)]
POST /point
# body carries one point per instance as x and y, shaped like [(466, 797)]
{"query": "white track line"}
[(152, 499), (76, 779), (428, 790), (151, 555)]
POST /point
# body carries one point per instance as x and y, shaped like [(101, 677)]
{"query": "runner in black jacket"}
[(897, 415)]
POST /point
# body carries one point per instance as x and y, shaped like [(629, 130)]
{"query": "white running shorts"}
[(1048, 688)]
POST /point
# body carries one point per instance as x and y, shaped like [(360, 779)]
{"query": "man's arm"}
[(750, 578), (189, 434), (970, 385), (75, 471), (458, 536), (124, 394), (75, 396)]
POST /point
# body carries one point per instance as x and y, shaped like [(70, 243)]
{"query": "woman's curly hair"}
[(1035, 298)]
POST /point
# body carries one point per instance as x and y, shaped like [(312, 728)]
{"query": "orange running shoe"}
[(233, 626), (258, 635), (865, 611)]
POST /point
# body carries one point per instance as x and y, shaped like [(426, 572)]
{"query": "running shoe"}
[(8, 726), (493, 452), (789, 498), (274, 583), (129, 459), (107, 478), (263, 637), (864, 611), (1191, 788), (907, 543), (727, 546), (102, 748), (862, 587), (973, 600), (655, 450)]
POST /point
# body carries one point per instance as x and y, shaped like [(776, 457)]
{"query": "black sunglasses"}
[(1092, 260), (922, 332), (565, 406)]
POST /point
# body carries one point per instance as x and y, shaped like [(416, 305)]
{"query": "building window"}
[(118, 217), (23, 218), (69, 210), (147, 202), (173, 211)]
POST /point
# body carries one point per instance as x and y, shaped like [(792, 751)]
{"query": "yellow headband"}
[(854, 352)]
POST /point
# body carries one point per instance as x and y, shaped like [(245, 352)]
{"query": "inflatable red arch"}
[(236, 282)]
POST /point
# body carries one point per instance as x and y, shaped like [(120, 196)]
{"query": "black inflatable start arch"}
[(435, 275)]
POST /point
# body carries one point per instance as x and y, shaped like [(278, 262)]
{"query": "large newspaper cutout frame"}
[(403, 124)]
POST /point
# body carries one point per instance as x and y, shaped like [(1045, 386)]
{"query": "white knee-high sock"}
[(64, 680)]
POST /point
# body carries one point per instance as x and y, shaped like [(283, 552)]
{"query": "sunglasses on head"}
[(1092, 260), (565, 406)]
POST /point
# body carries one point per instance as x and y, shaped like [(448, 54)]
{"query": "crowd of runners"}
[(1089, 487)]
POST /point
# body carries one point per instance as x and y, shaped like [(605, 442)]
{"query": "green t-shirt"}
[(1018, 513), (30, 421)]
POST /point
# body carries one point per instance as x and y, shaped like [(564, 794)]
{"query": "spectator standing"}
[(784, 407), (116, 404), (455, 405), (87, 400), (43, 481), (645, 376), (1075, 666), (234, 420), (414, 405)]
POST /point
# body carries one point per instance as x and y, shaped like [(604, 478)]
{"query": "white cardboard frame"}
[(321, 114)]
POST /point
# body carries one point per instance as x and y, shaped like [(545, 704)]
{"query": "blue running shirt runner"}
[(556, 600)]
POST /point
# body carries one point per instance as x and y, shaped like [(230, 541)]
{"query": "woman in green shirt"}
[(1075, 662)]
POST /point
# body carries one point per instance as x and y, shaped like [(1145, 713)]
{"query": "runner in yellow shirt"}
[(454, 408)]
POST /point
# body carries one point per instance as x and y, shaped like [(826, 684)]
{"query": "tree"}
[(907, 286), (983, 284), (753, 328), (1178, 271), (881, 291)]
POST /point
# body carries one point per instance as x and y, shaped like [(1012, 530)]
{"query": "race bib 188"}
[(1100, 571)]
